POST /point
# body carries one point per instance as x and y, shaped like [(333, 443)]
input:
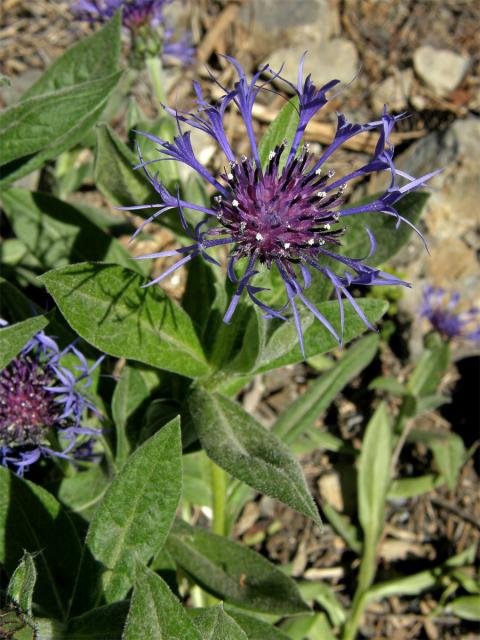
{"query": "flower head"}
[(43, 404), (141, 18), (439, 308), (287, 213)]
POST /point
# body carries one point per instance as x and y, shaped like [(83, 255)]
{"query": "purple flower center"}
[(27, 409), (279, 215)]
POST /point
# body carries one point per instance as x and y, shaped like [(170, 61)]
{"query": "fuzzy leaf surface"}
[(235, 441), (106, 306), (233, 572), (134, 518), (155, 612), (57, 111)]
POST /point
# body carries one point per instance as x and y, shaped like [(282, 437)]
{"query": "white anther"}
[(235, 203), (306, 147), (243, 226), (321, 194), (318, 171), (218, 199), (259, 237), (343, 188), (326, 226), (286, 245), (271, 155), (321, 241), (336, 217), (311, 241), (243, 158), (331, 173), (230, 176)]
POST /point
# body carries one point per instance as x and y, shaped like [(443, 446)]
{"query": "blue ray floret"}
[(140, 18), (44, 404), (440, 308), (288, 214)]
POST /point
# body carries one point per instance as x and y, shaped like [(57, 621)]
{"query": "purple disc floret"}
[(286, 210), (440, 308), (43, 404)]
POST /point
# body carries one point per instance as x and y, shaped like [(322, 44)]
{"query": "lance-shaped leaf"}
[(155, 612), (22, 583), (32, 520), (240, 445), (302, 413), (233, 572), (280, 343), (256, 629), (101, 623), (389, 239), (215, 624), (114, 174), (106, 306), (16, 336), (59, 109), (136, 513), (57, 233), (282, 128), (374, 473), (129, 395)]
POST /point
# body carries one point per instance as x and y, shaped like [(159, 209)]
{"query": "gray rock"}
[(294, 20), (451, 220), (443, 70), (394, 91), (337, 58)]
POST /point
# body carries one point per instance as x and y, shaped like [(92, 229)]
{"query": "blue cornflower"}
[(288, 214), (43, 403), (439, 308), (141, 18)]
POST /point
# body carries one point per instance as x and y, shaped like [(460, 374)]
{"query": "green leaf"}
[(155, 612), (386, 383), (356, 243), (106, 306), (135, 516), (283, 127), (374, 472), (241, 446), (215, 624), (449, 455), (429, 370), (344, 527), (314, 627), (413, 487), (114, 174), (324, 595), (233, 572), (256, 629), (466, 607), (21, 585), (82, 492), (302, 414), (130, 394), (32, 520), (57, 233), (58, 110), (278, 352), (14, 337), (102, 623)]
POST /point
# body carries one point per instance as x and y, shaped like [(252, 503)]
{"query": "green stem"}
[(155, 71), (219, 494), (365, 579)]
